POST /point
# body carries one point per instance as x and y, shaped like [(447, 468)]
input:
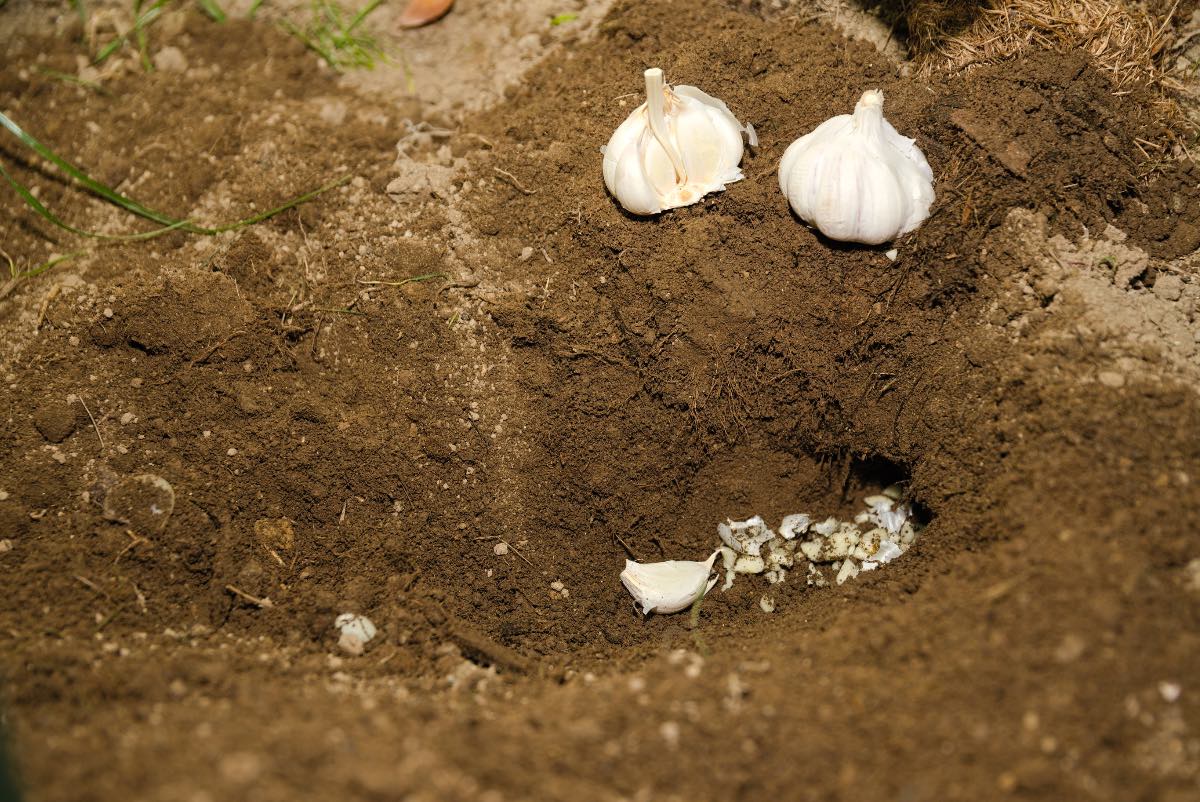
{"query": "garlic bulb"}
[(674, 149), (856, 178), (670, 586)]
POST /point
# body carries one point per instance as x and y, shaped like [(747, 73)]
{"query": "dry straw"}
[(1125, 41)]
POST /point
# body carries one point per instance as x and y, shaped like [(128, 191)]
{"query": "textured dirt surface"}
[(468, 344)]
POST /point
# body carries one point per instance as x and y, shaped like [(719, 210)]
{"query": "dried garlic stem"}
[(868, 112), (655, 97)]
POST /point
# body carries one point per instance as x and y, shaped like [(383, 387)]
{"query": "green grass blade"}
[(307, 42), (40, 209), (109, 48), (139, 27), (81, 10), (305, 198), (42, 268), (562, 19), (362, 15), (128, 204), (254, 8), (67, 78), (214, 11)]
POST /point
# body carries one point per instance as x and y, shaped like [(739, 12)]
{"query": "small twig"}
[(512, 179), (134, 540), (49, 299), (204, 356), (519, 554), (402, 282), (339, 311), (141, 597), (633, 556), (90, 584), (93, 420), (262, 604)]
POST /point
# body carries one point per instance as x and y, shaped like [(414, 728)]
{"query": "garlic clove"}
[(668, 587), (720, 111), (700, 145), (627, 134), (632, 186)]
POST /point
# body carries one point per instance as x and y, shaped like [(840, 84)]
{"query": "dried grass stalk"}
[(1123, 40)]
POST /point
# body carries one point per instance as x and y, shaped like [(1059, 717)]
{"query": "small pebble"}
[(127, 418), (500, 549), (6, 546), (231, 452), (1170, 691), (557, 587), (1110, 378), (108, 312)]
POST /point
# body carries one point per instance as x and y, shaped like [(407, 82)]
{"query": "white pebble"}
[(1170, 691), (356, 631), (500, 549), (231, 452)]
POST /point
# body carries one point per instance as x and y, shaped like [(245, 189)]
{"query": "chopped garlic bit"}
[(876, 536), (356, 631)]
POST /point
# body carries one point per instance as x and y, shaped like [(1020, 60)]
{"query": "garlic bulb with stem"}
[(668, 587), (674, 149), (855, 178)]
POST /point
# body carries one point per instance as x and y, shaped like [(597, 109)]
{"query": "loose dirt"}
[(469, 344)]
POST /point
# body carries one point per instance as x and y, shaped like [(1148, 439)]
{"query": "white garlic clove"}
[(674, 149), (856, 178), (668, 587)]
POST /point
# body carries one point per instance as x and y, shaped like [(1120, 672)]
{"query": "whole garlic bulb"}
[(674, 149), (856, 178)]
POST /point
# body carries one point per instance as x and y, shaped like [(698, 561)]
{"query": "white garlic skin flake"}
[(674, 149), (668, 587), (856, 179)]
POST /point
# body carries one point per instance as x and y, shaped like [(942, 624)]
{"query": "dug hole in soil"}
[(350, 406)]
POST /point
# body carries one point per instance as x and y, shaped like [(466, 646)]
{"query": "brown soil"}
[(577, 383)]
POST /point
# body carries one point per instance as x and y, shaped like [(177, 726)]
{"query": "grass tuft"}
[(142, 20), (67, 78), (1124, 40), (336, 37), (166, 222)]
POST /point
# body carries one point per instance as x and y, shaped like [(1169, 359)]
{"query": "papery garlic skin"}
[(674, 149), (856, 178), (668, 587)]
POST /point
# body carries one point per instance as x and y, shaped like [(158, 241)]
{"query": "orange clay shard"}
[(423, 12)]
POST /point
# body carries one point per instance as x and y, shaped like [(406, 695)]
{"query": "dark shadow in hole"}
[(872, 474)]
